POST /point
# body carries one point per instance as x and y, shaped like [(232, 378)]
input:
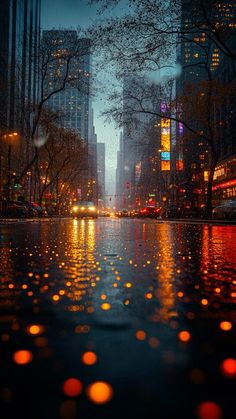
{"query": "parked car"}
[(104, 213), (225, 211), (33, 209), (16, 209), (123, 213), (173, 211), (150, 212), (84, 209)]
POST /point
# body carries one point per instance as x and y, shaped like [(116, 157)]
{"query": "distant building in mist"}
[(92, 158), (72, 103), (101, 169)]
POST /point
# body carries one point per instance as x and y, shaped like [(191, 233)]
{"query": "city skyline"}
[(72, 15)]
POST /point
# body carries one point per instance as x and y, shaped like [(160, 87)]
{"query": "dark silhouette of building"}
[(19, 80)]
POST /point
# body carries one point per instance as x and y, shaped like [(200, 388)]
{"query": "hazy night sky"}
[(73, 14)]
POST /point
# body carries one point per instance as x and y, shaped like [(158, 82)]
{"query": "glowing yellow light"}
[(35, 329), (204, 302), (128, 285), (100, 392), (55, 297), (105, 306)]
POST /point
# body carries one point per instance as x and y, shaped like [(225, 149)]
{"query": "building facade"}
[(204, 61), (101, 170), (19, 82), (70, 61)]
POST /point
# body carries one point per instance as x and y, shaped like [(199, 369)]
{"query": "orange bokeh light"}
[(140, 335), (228, 368), (89, 358), (225, 325), (72, 387), (35, 329), (22, 357), (100, 392), (184, 336), (105, 306), (209, 410)]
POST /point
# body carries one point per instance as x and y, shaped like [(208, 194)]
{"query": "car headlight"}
[(92, 209), (75, 208)]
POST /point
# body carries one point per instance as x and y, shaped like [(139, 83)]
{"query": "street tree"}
[(58, 68), (59, 163), (198, 109)]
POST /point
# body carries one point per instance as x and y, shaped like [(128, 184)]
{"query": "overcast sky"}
[(74, 14)]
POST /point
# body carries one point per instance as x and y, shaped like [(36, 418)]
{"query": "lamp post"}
[(9, 137)]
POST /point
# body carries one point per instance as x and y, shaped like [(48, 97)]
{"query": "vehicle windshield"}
[(85, 204)]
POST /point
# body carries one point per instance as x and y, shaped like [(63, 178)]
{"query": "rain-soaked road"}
[(117, 318)]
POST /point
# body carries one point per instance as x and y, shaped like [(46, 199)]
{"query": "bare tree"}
[(58, 68)]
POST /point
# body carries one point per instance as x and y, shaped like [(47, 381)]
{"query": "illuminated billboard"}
[(165, 144), (165, 155), (165, 165)]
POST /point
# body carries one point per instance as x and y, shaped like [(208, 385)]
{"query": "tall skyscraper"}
[(69, 68), (209, 28), (71, 102), (101, 168), (19, 83), (19, 45)]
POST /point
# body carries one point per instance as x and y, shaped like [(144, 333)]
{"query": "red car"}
[(150, 212)]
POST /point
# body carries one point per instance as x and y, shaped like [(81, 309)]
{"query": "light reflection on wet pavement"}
[(116, 318)]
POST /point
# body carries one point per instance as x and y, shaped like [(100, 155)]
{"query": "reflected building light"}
[(164, 291)]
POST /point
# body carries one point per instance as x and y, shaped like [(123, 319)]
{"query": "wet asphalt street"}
[(117, 318)]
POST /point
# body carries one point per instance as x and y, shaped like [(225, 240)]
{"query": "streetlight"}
[(9, 137)]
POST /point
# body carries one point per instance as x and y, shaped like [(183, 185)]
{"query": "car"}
[(16, 209), (150, 212), (123, 213), (83, 209), (225, 211), (104, 213), (173, 211)]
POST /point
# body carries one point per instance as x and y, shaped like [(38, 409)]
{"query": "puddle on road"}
[(149, 291)]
